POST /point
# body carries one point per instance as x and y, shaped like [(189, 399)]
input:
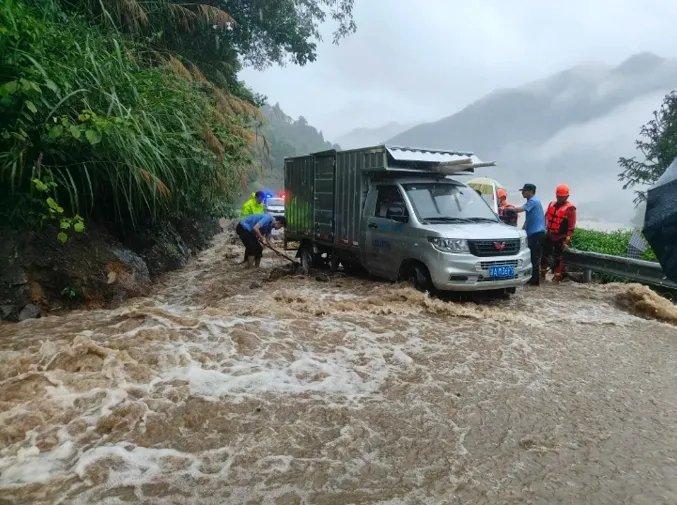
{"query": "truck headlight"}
[(524, 243), (449, 245)]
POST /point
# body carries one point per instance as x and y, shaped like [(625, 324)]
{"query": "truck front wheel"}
[(420, 279)]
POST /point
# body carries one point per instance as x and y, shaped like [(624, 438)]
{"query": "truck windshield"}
[(445, 202)]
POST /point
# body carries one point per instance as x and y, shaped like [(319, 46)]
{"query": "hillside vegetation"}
[(124, 132), (130, 112)]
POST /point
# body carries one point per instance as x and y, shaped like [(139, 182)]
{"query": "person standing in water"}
[(560, 220), (255, 204), (534, 225), (254, 231)]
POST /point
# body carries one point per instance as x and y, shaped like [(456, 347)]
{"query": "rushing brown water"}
[(351, 391)]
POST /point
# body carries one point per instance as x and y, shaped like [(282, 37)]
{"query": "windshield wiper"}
[(481, 220), (445, 219)]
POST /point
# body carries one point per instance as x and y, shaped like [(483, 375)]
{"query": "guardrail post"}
[(587, 275)]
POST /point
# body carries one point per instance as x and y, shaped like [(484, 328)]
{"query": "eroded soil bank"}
[(223, 389), (100, 268)]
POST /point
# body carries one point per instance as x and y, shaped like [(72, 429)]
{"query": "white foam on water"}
[(30, 466), (132, 465)]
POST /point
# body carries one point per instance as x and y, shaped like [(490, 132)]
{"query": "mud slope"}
[(347, 391)]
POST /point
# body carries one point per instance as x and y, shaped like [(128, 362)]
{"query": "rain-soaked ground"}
[(295, 391)]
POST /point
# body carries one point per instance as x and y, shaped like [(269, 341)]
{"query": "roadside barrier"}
[(645, 272)]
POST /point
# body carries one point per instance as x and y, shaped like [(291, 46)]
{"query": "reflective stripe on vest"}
[(556, 218)]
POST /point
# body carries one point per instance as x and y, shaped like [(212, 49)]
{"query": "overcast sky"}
[(419, 60)]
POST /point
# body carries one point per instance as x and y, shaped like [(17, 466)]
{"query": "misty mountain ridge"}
[(285, 136), (361, 137), (569, 127)]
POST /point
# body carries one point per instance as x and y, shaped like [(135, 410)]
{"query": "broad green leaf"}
[(62, 237), (55, 131), (93, 136), (40, 186), (31, 106), (9, 88), (54, 206), (65, 224), (75, 131), (52, 85), (79, 227)]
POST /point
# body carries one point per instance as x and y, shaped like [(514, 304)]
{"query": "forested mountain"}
[(570, 127), (285, 137)]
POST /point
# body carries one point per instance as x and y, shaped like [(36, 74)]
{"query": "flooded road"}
[(223, 390)]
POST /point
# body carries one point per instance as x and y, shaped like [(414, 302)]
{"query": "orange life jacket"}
[(556, 218)]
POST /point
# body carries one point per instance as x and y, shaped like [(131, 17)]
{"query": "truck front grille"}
[(497, 247)]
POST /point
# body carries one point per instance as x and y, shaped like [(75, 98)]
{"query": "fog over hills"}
[(570, 127), (361, 137)]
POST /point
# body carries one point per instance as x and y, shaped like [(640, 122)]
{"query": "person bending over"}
[(254, 231)]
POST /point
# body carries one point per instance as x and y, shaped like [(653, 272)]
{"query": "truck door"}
[(324, 197), (385, 226)]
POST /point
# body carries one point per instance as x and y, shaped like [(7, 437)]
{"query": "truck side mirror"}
[(397, 213)]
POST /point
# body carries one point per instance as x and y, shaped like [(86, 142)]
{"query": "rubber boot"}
[(559, 271), (258, 262), (250, 262)]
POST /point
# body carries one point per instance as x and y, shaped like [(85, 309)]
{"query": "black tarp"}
[(660, 220)]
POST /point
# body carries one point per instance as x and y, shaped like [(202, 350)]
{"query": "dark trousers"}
[(553, 255), (252, 246), (535, 242)]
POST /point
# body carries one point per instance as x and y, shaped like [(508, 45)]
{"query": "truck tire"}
[(420, 279), (306, 257)]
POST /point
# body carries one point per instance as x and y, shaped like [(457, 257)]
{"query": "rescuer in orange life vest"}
[(506, 211), (560, 222)]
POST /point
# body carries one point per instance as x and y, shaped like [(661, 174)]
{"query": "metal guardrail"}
[(646, 272)]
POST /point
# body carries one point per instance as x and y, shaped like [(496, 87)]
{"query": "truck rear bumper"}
[(471, 273)]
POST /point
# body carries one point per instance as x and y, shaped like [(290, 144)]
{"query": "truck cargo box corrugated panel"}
[(351, 190), (299, 193)]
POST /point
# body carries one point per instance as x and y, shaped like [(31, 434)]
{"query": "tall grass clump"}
[(122, 133)]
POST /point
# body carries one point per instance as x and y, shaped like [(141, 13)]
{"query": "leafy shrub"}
[(614, 243)]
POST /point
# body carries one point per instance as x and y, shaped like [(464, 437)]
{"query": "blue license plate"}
[(502, 272)]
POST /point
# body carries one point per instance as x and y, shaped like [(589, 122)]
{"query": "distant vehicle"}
[(397, 212), (275, 206)]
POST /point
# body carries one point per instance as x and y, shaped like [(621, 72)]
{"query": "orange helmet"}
[(501, 193), (562, 190)]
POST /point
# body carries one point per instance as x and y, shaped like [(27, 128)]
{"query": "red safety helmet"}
[(562, 190)]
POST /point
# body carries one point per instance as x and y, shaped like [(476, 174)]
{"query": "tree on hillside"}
[(218, 36), (658, 145)]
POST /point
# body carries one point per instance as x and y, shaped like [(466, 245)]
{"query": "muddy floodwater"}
[(222, 390)]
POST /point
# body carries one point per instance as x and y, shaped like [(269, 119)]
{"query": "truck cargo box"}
[(326, 190)]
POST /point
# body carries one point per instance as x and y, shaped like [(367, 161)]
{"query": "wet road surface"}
[(223, 390)]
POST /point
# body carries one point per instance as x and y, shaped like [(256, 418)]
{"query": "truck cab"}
[(442, 235)]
